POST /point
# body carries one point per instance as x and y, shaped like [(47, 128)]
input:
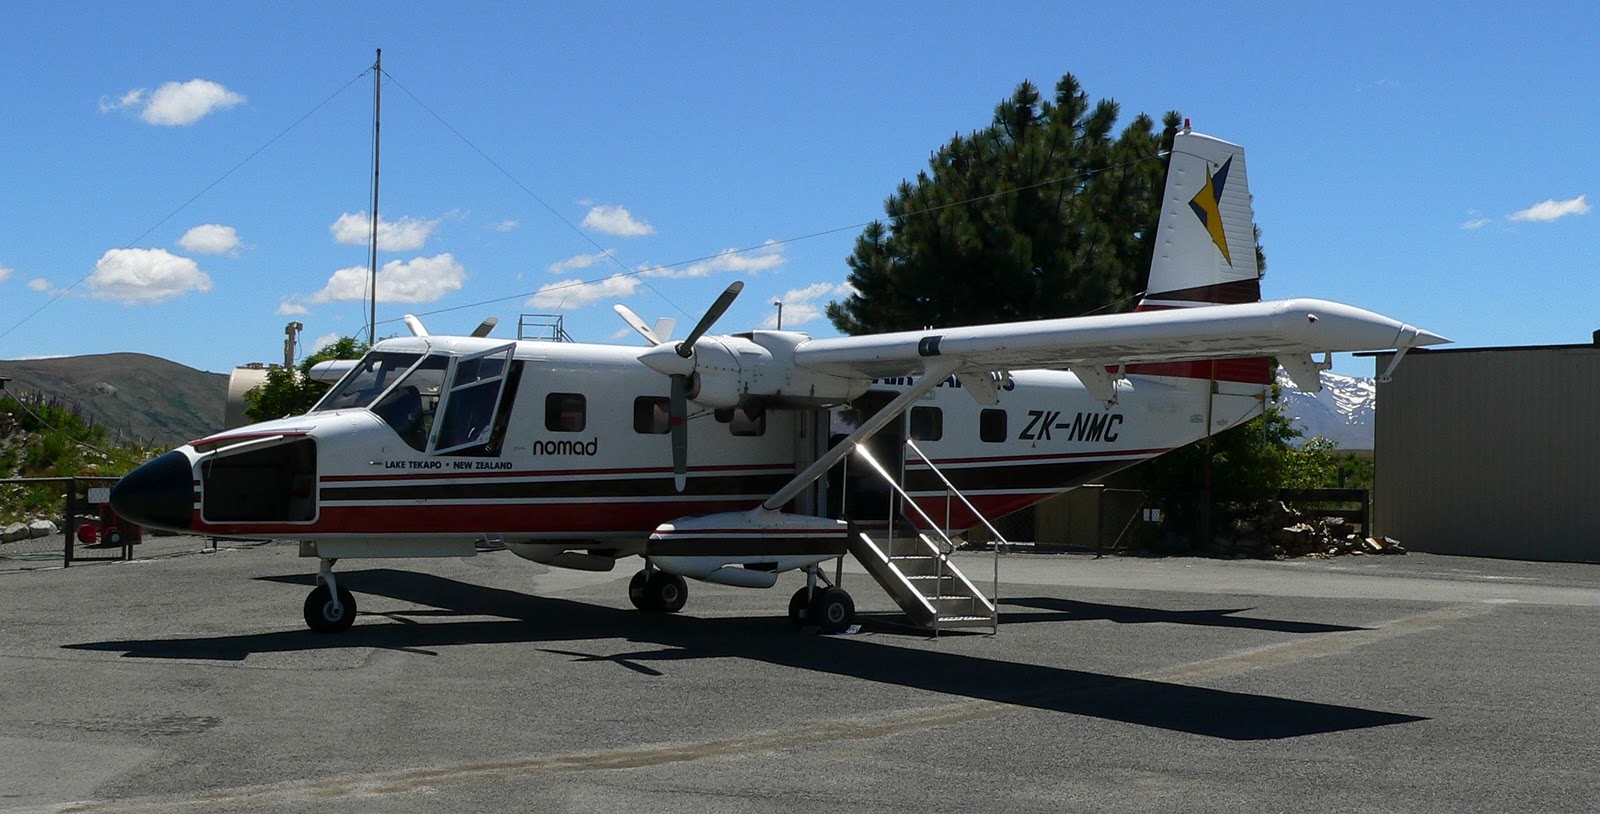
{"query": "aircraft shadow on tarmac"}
[(531, 619), (1069, 610)]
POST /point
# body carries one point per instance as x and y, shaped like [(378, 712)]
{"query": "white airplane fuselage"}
[(600, 477)]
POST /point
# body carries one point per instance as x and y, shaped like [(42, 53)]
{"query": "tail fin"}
[(1205, 243), (1205, 249)]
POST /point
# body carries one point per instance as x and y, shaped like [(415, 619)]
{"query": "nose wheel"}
[(329, 607)]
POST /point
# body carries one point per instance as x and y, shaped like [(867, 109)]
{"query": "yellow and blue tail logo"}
[(1206, 203)]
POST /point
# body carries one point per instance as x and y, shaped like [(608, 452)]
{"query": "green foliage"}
[(1045, 213), (1247, 462), (290, 392), (44, 438)]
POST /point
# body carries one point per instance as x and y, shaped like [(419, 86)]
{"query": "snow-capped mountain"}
[(1342, 411)]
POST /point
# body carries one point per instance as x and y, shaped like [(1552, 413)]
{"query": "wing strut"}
[(932, 375)]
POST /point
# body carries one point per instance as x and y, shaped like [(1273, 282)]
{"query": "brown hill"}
[(133, 395)]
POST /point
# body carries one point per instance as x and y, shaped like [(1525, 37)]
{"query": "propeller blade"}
[(663, 328), (714, 313), (677, 421), (637, 324), (415, 325), (485, 327)]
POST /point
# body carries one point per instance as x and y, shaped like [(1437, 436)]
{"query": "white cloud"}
[(423, 279), (1476, 223), (322, 342), (766, 258), (803, 305), (145, 276), (127, 100), (581, 261), (507, 225), (40, 285), (289, 308), (211, 238), (5, 273), (403, 235), (1552, 209), (182, 103), (615, 220), (569, 294)]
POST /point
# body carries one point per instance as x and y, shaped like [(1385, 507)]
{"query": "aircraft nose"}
[(159, 494)]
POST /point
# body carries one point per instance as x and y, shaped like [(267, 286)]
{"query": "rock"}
[(42, 528), (13, 533)]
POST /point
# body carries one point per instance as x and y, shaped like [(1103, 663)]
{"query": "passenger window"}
[(992, 426), (650, 416), (565, 412), (927, 424)]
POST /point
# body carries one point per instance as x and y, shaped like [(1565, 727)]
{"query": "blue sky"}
[(184, 172)]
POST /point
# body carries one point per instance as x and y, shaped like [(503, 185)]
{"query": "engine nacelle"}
[(728, 371)]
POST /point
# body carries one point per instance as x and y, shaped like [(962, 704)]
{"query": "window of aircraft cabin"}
[(651, 416), (565, 412), (927, 423), (749, 423), (992, 426)]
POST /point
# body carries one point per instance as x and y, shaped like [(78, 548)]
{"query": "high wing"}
[(1294, 327)]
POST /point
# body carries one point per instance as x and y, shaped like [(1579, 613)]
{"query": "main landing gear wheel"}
[(833, 610), (658, 591), (800, 607), (323, 616), (636, 590)]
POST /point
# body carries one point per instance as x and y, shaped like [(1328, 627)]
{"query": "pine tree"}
[(1042, 214)]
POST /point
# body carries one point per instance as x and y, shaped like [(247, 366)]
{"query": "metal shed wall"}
[(1492, 452)]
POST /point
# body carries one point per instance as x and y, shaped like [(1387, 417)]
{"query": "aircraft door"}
[(473, 402), (855, 490)]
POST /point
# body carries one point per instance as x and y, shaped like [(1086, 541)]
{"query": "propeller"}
[(658, 335), (678, 364), (485, 326)]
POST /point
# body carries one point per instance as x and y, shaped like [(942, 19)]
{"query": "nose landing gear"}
[(329, 608)]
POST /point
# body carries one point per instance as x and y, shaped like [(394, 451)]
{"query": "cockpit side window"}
[(471, 407), (409, 407), (375, 373)]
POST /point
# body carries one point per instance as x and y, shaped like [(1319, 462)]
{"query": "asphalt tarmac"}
[(186, 681)]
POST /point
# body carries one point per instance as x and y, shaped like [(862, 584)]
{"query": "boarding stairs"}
[(914, 567)]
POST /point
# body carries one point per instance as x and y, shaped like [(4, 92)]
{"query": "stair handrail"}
[(861, 450), (951, 489), (1000, 539), (944, 555)]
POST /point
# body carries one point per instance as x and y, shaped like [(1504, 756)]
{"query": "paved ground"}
[(186, 682)]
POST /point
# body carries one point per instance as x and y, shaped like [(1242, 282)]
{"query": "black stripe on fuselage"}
[(756, 546), (716, 486)]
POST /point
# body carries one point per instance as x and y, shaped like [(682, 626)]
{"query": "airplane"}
[(719, 457)]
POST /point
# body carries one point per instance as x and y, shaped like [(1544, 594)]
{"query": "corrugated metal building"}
[(1491, 452)]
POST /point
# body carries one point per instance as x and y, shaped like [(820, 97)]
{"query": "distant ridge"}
[(1343, 411), (133, 395)]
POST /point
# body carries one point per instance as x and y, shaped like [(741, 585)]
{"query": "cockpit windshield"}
[(375, 373)]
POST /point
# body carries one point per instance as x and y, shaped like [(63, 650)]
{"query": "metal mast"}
[(372, 260)]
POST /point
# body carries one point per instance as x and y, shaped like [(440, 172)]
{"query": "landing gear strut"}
[(658, 591), (329, 608), (830, 609)]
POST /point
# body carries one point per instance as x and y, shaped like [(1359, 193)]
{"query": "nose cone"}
[(159, 494)]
